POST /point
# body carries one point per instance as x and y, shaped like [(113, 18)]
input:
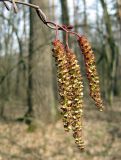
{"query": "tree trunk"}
[(113, 50), (85, 17), (75, 7), (65, 15), (119, 13), (30, 66), (40, 93)]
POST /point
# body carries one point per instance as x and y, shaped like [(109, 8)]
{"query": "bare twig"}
[(42, 16), (7, 7), (14, 6)]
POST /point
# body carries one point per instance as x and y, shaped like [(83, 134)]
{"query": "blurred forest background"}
[(30, 124)]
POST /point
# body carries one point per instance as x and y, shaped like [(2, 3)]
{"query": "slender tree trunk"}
[(119, 14), (85, 17), (65, 15), (20, 57), (75, 7), (53, 10), (113, 50), (30, 67), (55, 86), (119, 8)]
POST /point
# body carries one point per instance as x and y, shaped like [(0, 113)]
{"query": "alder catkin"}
[(64, 85), (91, 71), (70, 90), (77, 98)]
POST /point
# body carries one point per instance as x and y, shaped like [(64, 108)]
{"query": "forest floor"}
[(102, 133)]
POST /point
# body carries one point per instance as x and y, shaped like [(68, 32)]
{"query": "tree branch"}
[(42, 17)]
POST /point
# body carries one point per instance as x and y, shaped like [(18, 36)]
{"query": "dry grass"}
[(50, 142)]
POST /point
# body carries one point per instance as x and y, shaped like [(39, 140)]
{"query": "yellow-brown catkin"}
[(64, 85), (91, 70), (76, 98)]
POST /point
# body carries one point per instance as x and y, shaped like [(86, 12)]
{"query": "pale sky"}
[(90, 8)]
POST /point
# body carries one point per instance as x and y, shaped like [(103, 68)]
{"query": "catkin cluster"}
[(70, 85), (70, 90), (64, 86), (91, 70), (77, 98)]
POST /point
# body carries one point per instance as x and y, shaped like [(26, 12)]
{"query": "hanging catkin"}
[(76, 98), (91, 70), (64, 85), (70, 84), (70, 91)]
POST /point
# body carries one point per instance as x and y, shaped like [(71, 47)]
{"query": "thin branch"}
[(42, 17), (14, 6), (7, 7)]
